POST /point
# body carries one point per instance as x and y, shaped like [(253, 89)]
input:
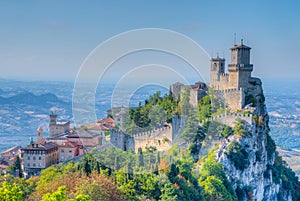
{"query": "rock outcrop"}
[(255, 180)]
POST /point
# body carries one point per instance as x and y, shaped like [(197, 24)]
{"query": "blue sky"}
[(48, 40)]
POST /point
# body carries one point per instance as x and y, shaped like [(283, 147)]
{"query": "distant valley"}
[(25, 106)]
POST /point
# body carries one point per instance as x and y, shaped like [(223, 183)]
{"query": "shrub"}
[(251, 99), (227, 131), (239, 128), (271, 146), (238, 155)]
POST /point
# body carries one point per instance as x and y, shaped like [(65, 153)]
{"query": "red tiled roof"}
[(106, 120), (69, 144), (41, 146)]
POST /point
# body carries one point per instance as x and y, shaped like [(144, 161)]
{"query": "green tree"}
[(140, 158), (271, 146), (200, 136), (16, 168), (10, 192), (86, 166), (129, 189), (184, 103), (173, 172), (117, 163), (168, 193), (227, 131), (211, 173), (205, 108), (238, 155), (157, 116), (214, 189), (59, 195), (190, 130), (239, 128)]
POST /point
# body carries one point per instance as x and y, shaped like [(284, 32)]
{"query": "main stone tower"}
[(240, 68), (239, 71), (237, 83)]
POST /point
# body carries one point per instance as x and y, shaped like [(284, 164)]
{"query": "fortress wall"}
[(129, 143), (178, 125), (156, 138), (234, 99), (224, 79), (222, 83), (193, 98), (229, 119), (117, 139), (233, 79)]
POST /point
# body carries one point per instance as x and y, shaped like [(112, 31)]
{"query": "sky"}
[(49, 40)]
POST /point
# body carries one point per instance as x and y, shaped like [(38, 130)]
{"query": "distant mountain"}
[(29, 98)]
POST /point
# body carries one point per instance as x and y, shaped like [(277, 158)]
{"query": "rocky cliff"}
[(252, 178)]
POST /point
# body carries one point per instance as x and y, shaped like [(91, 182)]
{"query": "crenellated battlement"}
[(161, 138), (151, 133), (230, 118), (224, 75), (230, 90), (238, 79)]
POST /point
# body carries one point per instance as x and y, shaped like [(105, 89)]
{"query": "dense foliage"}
[(238, 155), (239, 128), (214, 181), (174, 178), (282, 173), (154, 112)]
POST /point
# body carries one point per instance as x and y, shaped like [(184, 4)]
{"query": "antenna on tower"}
[(234, 39)]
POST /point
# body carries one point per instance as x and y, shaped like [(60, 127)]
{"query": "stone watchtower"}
[(217, 69), (52, 124), (240, 68), (237, 82)]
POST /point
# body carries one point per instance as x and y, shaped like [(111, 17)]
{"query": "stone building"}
[(67, 151), (57, 128), (87, 138), (176, 90), (237, 83), (197, 91), (39, 155)]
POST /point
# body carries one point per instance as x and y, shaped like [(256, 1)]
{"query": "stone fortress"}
[(237, 88), (57, 128), (197, 91)]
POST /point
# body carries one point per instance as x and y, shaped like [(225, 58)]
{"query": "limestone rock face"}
[(256, 177)]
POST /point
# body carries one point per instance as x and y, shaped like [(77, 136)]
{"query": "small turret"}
[(53, 118), (217, 68), (39, 134)]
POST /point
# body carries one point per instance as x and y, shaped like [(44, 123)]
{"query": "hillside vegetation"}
[(180, 173)]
